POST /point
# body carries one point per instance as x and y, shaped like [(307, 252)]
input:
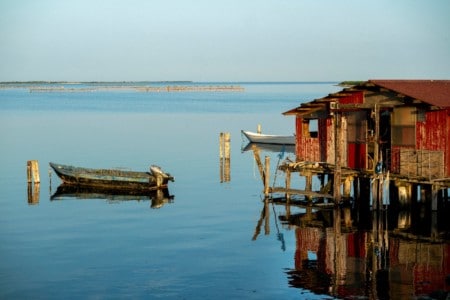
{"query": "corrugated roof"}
[(434, 92)]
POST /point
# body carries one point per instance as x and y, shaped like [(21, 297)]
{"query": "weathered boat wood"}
[(269, 138), (112, 178)]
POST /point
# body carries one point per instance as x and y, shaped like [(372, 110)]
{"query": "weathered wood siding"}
[(307, 148), (432, 133), (430, 158)]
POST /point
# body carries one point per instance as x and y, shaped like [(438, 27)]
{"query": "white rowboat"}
[(269, 138)]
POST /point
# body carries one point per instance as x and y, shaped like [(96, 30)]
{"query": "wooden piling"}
[(224, 156), (33, 171), (288, 184), (337, 157), (33, 181)]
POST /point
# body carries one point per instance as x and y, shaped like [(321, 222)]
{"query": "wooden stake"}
[(33, 171), (337, 156), (224, 156)]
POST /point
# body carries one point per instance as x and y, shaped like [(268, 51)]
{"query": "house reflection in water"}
[(369, 259)]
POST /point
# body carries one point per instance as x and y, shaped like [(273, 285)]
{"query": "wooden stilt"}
[(337, 156), (288, 184)]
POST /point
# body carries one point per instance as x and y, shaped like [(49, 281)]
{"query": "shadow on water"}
[(352, 251), (158, 197)]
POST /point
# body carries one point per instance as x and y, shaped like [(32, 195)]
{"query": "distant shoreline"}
[(164, 82), (141, 86), (145, 89)]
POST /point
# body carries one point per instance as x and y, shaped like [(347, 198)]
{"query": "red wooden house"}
[(404, 123)]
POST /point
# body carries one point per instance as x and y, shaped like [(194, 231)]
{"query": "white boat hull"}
[(269, 138)]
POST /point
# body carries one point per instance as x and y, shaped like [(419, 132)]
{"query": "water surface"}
[(202, 244)]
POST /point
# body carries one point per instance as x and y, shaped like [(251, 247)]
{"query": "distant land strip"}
[(145, 89)]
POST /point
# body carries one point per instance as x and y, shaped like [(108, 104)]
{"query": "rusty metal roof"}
[(434, 92)]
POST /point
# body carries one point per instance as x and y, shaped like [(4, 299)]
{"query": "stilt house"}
[(403, 125)]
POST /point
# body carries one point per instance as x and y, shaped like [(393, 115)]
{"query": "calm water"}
[(202, 243)]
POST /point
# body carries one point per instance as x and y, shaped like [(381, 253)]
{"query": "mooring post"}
[(221, 145), (33, 171), (227, 165), (267, 176), (224, 156), (258, 128), (33, 177)]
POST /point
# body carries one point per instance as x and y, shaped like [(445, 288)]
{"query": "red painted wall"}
[(434, 133), (356, 152), (307, 148)]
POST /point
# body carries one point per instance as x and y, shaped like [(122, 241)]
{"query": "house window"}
[(310, 128), (404, 126)]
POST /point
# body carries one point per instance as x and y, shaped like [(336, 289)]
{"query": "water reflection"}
[(33, 192), (158, 197), (268, 148), (375, 258)]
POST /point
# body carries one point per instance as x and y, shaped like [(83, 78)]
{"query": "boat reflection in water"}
[(157, 197), (352, 253), (269, 148)]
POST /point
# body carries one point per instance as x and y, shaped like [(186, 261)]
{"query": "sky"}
[(224, 40)]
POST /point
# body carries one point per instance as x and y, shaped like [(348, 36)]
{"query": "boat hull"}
[(110, 178), (269, 139)]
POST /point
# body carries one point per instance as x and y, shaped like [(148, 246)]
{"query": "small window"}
[(310, 128)]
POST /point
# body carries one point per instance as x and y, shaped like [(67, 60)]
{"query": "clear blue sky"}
[(226, 40)]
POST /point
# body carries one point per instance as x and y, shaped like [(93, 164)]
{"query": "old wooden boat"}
[(113, 178), (269, 138)]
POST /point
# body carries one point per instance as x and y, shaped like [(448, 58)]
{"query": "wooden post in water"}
[(33, 180), (337, 155), (224, 155), (258, 129), (33, 171), (288, 184)]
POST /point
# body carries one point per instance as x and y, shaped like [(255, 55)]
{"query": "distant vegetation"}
[(351, 82)]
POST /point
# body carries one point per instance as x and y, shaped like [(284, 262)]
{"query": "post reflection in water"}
[(33, 192)]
